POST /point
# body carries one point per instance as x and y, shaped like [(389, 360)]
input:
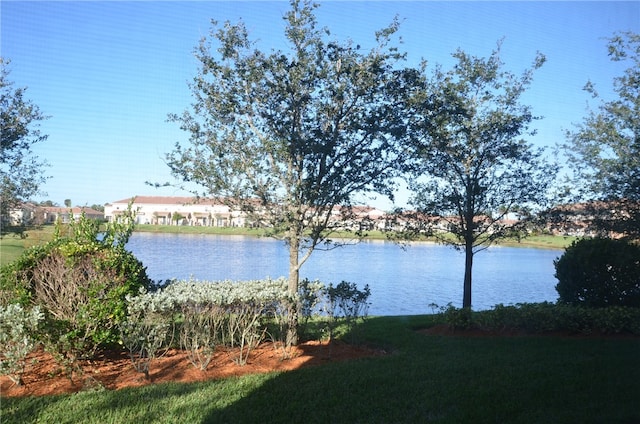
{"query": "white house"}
[(29, 213), (24, 214), (161, 210), (51, 214)]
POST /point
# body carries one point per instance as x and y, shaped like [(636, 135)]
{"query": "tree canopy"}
[(604, 150), (293, 136), (473, 171), (21, 172)]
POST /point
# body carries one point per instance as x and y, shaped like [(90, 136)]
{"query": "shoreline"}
[(11, 247), (547, 242)]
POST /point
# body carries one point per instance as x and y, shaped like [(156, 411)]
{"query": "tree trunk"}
[(468, 265), (294, 275)]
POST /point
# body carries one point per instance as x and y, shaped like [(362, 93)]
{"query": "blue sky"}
[(108, 73)]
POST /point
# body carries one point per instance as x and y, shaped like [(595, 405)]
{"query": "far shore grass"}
[(539, 241), (11, 247)]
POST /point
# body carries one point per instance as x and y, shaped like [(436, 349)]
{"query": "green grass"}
[(443, 379), (187, 229), (12, 246), (10, 249), (542, 242)]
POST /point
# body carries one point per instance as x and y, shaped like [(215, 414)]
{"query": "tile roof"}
[(173, 200), (74, 210)]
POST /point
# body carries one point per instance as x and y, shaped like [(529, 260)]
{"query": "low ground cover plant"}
[(546, 317)]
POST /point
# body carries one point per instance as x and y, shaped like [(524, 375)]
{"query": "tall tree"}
[(21, 172), (604, 150), (473, 170), (293, 136)]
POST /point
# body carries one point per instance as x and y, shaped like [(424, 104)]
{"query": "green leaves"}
[(469, 151), (599, 272), (308, 126), (18, 333), (80, 281), (604, 150), (21, 173), (470, 169)]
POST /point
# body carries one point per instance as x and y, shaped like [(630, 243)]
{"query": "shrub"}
[(458, 318), (223, 313), (545, 317), (599, 272), (15, 276), (243, 328), (310, 295), (346, 301), (617, 319), (18, 327), (200, 330), (80, 282), (147, 330)]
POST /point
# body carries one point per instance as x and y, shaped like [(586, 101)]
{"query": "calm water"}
[(403, 282)]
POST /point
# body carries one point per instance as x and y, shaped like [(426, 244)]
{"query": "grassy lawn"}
[(11, 246), (545, 241), (443, 379), (186, 229), (542, 242)]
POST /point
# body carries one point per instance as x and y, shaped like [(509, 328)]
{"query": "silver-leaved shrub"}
[(205, 315), (18, 328), (148, 328), (226, 313)]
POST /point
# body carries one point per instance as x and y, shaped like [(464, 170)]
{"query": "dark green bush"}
[(527, 317), (457, 318), (546, 317), (347, 301), (599, 272)]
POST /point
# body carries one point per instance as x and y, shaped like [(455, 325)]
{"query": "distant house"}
[(24, 214), (363, 218), (29, 213), (586, 219), (162, 210), (52, 214)]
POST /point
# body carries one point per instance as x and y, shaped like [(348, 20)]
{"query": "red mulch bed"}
[(113, 370)]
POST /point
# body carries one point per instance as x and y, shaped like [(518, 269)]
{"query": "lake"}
[(402, 281)]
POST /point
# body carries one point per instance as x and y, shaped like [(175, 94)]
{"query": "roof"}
[(172, 200), (74, 210)]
